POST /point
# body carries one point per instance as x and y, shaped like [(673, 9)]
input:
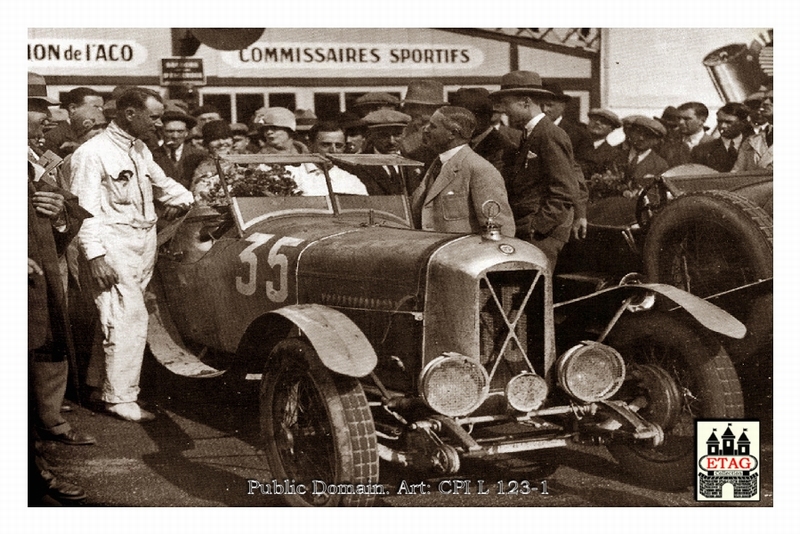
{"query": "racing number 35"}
[(247, 286)]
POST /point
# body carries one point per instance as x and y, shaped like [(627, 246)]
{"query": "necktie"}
[(174, 154), (732, 152), (769, 135), (433, 172)]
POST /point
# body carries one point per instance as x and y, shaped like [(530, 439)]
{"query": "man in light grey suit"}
[(459, 181)]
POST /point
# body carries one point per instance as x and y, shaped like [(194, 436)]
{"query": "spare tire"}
[(708, 242)]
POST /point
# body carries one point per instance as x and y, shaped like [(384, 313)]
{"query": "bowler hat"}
[(376, 99), (425, 92), (522, 83), (475, 99), (558, 92), (280, 117), (37, 89), (609, 116), (652, 125), (218, 129), (386, 117), (670, 118), (175, 113)]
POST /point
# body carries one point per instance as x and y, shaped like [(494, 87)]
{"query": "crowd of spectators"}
[(107, 172)]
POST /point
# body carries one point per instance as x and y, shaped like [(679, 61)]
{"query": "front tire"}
[(683, 375), (317, 426)]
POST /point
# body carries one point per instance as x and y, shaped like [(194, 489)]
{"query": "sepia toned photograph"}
[(400, 267)]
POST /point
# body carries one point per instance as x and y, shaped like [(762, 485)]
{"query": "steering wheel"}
[(651, 200)]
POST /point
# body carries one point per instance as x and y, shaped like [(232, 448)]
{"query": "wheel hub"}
[(664, 398)]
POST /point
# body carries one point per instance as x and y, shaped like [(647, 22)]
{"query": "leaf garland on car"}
[(611, 183), (245, 181)]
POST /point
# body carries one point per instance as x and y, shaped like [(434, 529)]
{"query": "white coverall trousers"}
[(123, 316)]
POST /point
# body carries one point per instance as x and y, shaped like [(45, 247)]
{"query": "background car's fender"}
[(710, 316), (340, 344)]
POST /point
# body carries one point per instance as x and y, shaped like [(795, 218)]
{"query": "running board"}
[(165, 344)]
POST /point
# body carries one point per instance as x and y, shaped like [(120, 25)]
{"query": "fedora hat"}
[(670, 117), (557, 91), (475, 99), (175, 113), (425, 92), (521, 82), (37, 89), (305, 119)]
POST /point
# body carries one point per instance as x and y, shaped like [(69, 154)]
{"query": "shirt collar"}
[(532, 123), (694, 139), (445, 156)]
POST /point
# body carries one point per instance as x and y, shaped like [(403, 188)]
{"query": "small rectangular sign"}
[(182, 70)]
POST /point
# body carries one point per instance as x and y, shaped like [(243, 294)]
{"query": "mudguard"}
[(340, 344), (710, 316)]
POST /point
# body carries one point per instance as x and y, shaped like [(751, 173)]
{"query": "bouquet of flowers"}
[(247, 181), (611, 183)]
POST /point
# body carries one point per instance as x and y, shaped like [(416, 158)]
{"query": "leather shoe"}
[(130, 411), (71, 437), (60, 490)]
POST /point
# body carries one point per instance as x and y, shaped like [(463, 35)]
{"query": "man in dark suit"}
[(602, 157), (176, 157), (721, 153), (53, 220), (642, 135), (62, 139), (578, 134), (459, 181), (486, 141), (543, 186), (384, 134)]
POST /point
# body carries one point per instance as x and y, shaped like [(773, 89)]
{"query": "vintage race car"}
[(706, 232), (375, 341)]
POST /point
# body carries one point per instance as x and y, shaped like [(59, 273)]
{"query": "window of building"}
[(283, 100), (246, 106), (220, 101), (326, 105)]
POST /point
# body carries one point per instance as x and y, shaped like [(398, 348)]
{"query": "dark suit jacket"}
[(675, 152), (182, 170), (579, 137), (453, 201), (543, 186), (55, 138), (379, 180), (47, 312), (604, 157), (497, 150), (653, 165), (714, 154)]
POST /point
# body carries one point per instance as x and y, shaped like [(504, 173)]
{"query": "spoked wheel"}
[(317, 427), (709, 242), (681, 376)]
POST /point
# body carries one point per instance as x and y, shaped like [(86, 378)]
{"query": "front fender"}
[(340, 344), (710, 316)]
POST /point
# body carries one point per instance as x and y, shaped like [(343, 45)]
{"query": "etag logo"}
[(728, 460)]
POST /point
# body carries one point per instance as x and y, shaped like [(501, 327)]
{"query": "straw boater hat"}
[(425, 92), (37, 89), (521, 83)]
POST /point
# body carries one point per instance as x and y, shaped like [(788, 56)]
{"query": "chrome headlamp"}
[(454, 385), (591, 371)]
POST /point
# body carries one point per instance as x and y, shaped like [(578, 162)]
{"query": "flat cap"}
[(386, 117), (376, 99), (609, 116), (653, 125)]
